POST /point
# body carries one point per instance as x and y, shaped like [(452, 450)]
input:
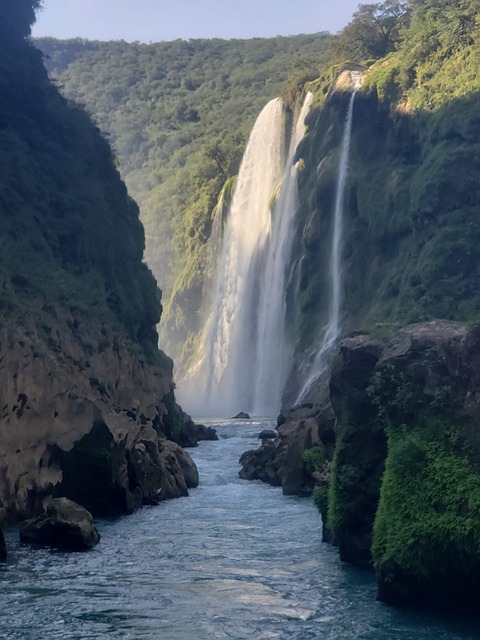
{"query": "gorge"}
[(330, 276)]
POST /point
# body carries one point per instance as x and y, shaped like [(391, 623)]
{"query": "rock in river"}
[(64, 524)]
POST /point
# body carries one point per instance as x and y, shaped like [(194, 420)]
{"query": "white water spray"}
[(274, 352), (332, 330), (246, 357)]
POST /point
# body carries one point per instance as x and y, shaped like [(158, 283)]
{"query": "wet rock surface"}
[(64, 525)]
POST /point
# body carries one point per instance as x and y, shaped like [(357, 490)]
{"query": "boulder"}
[(241, 416), (64, 525), (279, 461), (3, 546), (267, 434), (205, 433), (193, 433)]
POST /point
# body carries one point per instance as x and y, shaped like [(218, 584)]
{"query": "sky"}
[(155, 20)]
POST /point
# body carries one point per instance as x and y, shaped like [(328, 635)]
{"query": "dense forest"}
[(412, 236), (178, 115)]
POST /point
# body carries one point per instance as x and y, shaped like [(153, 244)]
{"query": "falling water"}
[(245, 358), (332, 329), (274, 352)]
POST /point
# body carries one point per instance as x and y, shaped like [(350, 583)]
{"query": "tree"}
[(374, 31), (17, 17)]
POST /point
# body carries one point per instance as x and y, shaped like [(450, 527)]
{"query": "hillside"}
[(178, 115), (82, 381)]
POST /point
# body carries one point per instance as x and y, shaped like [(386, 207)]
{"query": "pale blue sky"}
[(154, 20)]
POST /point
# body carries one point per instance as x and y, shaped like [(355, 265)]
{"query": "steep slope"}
[(85, 393)]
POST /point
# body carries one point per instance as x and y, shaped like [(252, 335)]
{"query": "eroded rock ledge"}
[(83, 415)]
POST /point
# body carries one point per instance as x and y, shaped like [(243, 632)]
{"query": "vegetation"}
[(430, 494), (411, 226), (70, 233), (178, 115)]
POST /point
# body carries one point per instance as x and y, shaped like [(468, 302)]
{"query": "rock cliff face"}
[(412, 408), (398, 478), (86, 397), (81, 417)]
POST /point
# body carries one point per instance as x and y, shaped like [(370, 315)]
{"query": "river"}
[(236, 560)]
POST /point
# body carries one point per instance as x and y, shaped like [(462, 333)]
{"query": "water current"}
[(236, 560)]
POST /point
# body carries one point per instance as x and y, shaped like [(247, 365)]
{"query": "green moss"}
[(429, 506), (314, 459), (320, 499)]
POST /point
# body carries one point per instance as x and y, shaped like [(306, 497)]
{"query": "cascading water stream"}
[(246, 358), (274, 352), (332, 330), (221, 381)]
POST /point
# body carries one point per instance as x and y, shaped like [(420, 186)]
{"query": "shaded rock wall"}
[(420, 519), (85, 423)]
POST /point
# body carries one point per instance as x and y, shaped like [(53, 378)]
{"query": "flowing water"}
[(246, 353), (235, 560), (332, 330), (274, 352)]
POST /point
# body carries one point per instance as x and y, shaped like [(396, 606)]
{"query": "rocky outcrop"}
[(191, 433), (280, 461), (412, 407), (84, 416), (64, 525), (360, 451)]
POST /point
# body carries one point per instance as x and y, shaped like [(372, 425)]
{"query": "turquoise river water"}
[(235, 560)]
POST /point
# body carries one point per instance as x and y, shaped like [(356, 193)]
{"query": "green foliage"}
[(429, 507), (314, 459), (69, 231), (320, 499), (178, 114), (374, 31)]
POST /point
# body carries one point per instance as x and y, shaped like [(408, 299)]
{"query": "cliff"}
[(400, 491), (86, 396), (404, 486)]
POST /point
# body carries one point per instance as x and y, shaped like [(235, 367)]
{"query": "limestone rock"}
[(82, 412), (280, 461), (193, 433), (412, 408), (65, 525), (361, 450)]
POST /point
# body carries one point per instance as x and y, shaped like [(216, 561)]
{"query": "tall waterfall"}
[(246, 356), (274, 351), (332, 330)]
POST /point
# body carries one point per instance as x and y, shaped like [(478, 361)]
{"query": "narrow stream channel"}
[(235, 560)]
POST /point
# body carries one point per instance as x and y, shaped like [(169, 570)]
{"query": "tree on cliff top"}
[(374, 31), (17, 17)]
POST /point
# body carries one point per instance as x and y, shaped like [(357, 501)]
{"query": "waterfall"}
[(274, 352), (332, 330), (245, 355)]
